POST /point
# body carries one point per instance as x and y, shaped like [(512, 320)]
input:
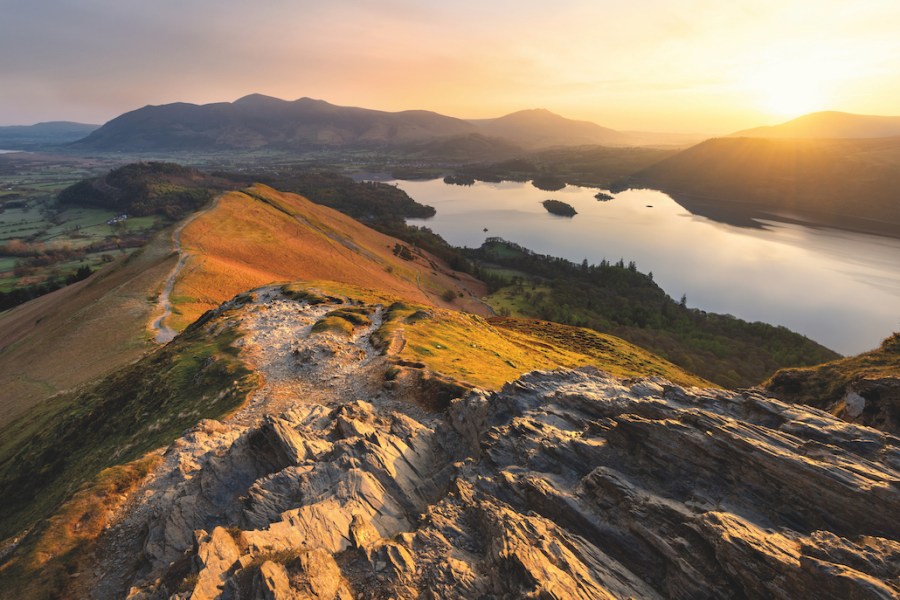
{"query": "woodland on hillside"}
[(616, 298)]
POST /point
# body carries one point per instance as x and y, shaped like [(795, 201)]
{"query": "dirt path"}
[(301, 368), (163, 333)]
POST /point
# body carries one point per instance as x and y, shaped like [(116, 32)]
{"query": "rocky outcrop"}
[(861, 389), (341, 479), (569, 484)]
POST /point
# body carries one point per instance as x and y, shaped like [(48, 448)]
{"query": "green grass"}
[(71, 437), (343, 321), (42, 565)]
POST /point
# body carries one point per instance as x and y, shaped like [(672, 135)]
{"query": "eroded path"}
[(163, 333), (299, 367)]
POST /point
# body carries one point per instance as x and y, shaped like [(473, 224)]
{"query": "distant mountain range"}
[(828, 125), (30, 137), (257, 122)]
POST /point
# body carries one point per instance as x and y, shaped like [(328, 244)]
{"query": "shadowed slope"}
[(80, 332), (861, 389), (850, 184)]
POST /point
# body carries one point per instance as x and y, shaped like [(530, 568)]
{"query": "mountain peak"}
[(257, 99)]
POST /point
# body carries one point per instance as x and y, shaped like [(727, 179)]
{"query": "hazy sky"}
[(676, 65)]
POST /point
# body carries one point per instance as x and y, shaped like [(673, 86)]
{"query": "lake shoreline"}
[(836, 285), (741, 214)]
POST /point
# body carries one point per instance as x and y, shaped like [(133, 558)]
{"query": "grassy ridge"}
[(486, 352), (489, 353), (260, 236)]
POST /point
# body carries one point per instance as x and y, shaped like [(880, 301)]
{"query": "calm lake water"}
[(839, 288)]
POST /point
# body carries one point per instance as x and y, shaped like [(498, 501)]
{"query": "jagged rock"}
[(216, 553), (362, 533), (272, 583), (571, 484), (316, 576)]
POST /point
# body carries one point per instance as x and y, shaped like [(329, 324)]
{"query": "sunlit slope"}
[(487, 353), (259, 235), (80, 332)]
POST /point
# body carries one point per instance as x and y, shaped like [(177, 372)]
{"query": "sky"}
[(705, 66)]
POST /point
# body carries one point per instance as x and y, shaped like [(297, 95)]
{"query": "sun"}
[(789, 89)]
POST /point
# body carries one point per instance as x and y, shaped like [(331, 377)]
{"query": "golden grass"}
[(261, 236), (42, 566), (489, 353), (609, 352)]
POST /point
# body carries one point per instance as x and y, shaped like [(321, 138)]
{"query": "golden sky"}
[(710, 66)]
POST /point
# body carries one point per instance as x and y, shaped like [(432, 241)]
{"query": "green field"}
[(42, 241)]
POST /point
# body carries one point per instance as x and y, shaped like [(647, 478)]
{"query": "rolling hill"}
[(850, 183), (42, 135), (540, 128), (828, 125), (258, 121), (244, 240), (259, 235)]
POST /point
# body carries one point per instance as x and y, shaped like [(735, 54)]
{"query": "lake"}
[(839, 288)]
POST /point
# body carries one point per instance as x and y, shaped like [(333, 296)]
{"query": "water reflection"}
[(839, 288)]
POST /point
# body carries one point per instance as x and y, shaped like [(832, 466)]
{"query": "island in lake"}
[(557, 207), (603, 196)]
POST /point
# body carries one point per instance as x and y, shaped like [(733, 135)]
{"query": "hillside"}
[(257, 121), (354, 471), (75, 334), (540, 128), (42, 135), (828, 125), (619, 300), (423, 353), (259, 235), (849, 184), (43, 342), (861, 389), (146, 188)]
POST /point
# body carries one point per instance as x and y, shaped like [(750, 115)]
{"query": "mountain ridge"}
[(258, 121), (828, 125)]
